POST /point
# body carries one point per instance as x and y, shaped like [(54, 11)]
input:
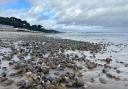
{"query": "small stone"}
[(12, 74), (109, 75), (8, 82), (4, 68), (117, 78), (45, 70), (56, 73), (21, 82), (108, 60), (92, 80), (118, 71), (70, 84), (29, 74), (79, 83), (39, 87), (11, 63), (4, 74), (80, 75), (126, 65), (2, 79), (102, 80), (105, 70), (91, 65)]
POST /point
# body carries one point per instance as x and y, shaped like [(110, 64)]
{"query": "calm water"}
[(94, 37)]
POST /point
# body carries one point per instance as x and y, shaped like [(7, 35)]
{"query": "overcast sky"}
[(69, 14)]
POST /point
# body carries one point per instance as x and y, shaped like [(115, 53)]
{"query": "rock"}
[(50, 58), (113, 76), (39, 87), (107, 66), (2, 79), (56, 73), (117, 78), (45, 70), (91, 65), (29, 74), (4, 74), (44, 79), (4, 68), (108, 60), (109, 75), (53, 66), (70, 84), (60, 69), (16, 66), (21, 83), (19, 72), (126, 65), (70, 75), (11, 63), (8, 82), (92, 80), (79, 83), (12, 74), (80, 75), (50, 86), (118, 71), (115, 68), (29, 85), (50, 79), (105, 70), (102, 80), (39, 69)]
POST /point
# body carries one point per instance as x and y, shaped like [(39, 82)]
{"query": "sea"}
[(115, 37)]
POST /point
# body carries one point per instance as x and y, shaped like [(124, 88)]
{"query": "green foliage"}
[(18, 23)]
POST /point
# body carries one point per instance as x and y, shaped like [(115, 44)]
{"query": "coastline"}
[(88, 57)]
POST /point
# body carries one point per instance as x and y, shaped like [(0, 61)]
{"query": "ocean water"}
[(94, 37)]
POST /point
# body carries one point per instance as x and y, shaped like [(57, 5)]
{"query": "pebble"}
[(103, 80), (45, 58)]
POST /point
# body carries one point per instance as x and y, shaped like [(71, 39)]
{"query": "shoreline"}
[(70, 64)]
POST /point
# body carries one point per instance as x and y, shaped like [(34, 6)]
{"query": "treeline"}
[(18, 23)]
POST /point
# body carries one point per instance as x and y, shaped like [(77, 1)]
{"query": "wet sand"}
[(71, 64)]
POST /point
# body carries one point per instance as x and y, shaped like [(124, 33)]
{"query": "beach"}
[(116, 46), (63, 61)]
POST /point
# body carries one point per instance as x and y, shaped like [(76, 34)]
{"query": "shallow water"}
[(93, 37)]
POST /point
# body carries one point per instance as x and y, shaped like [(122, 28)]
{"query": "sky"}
[(70, 15)]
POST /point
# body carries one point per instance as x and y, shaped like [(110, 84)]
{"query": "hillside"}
[(18, 23)]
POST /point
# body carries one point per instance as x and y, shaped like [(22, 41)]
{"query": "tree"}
[(18, 23)]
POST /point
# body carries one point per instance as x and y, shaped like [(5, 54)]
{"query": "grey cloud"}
[(89, 12), (71, 14)]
